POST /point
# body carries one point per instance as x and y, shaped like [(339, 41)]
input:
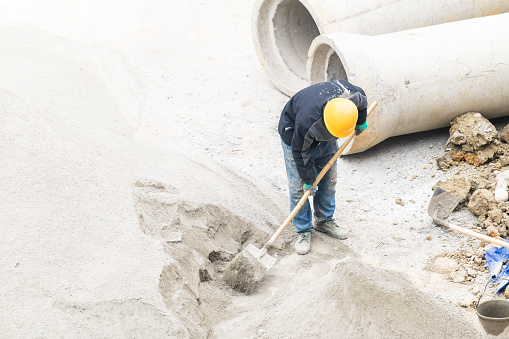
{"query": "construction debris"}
[(474, 139), (457, 185), (475, 150), (484, 191), (481, 202)]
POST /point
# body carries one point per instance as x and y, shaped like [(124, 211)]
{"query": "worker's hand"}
[(312, 189), (360, 128)]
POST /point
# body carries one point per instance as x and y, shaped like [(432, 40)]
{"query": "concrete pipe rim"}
[(325, 62), (283, 31)]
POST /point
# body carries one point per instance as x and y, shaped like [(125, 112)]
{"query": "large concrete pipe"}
[(284, 29), (422, 78)]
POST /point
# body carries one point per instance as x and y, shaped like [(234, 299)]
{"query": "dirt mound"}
[(362, 302)]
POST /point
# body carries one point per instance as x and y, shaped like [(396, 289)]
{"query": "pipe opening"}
[(335, 69), (294, 30)]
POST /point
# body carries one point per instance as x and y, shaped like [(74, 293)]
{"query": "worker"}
[(309, 126)]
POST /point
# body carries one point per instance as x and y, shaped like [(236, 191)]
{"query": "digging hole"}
[(201, 240)]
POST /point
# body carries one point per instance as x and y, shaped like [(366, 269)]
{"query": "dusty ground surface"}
[(140, 154)]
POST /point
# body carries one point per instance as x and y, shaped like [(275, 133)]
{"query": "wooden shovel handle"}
[(472, 233), (319, 177)]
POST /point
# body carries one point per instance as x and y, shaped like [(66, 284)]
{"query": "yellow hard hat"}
[(340, 116)]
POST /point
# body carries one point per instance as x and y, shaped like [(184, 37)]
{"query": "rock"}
[(493, 231), (476, 290), (482, 177), (487, 223), (399, 201), (481, 202), (481, 219), (457, 185), (444, 162), (469, 252), (473, 138), (504, 160), (497, 215), (504, 136), (467, 301), (504, 206), (471, 272), (459, 275), (503, 231)]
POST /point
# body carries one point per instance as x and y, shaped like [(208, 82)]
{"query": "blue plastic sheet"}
[(496, 257)]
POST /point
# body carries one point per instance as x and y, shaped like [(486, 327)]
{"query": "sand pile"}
[(136, 168)]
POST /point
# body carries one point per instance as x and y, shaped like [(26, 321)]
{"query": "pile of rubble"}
[(483, 190), (479, 157)]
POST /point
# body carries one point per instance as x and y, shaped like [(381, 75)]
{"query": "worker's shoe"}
[(331, 228), (303, 243)]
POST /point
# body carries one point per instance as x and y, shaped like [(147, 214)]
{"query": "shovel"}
[(441, 206), (251, 264)]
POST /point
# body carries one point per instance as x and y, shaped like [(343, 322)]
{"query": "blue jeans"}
[(324, 201)]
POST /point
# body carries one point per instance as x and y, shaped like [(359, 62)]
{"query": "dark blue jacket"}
[(301, 124)]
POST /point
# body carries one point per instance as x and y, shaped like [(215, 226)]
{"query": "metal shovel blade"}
[(261, 255), (442, 204)]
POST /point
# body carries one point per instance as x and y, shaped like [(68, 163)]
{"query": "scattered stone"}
[(493, 231), (504, 206), (504, 136), (467, 302), (481, 219), (503, 230), (476, 290), (428, 237), (482, 178), (503, 160), (444, 162), (487, 223), (471, 272), (459, 275), (457, 185), (496, 215), (481, 202), (399, 201)]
